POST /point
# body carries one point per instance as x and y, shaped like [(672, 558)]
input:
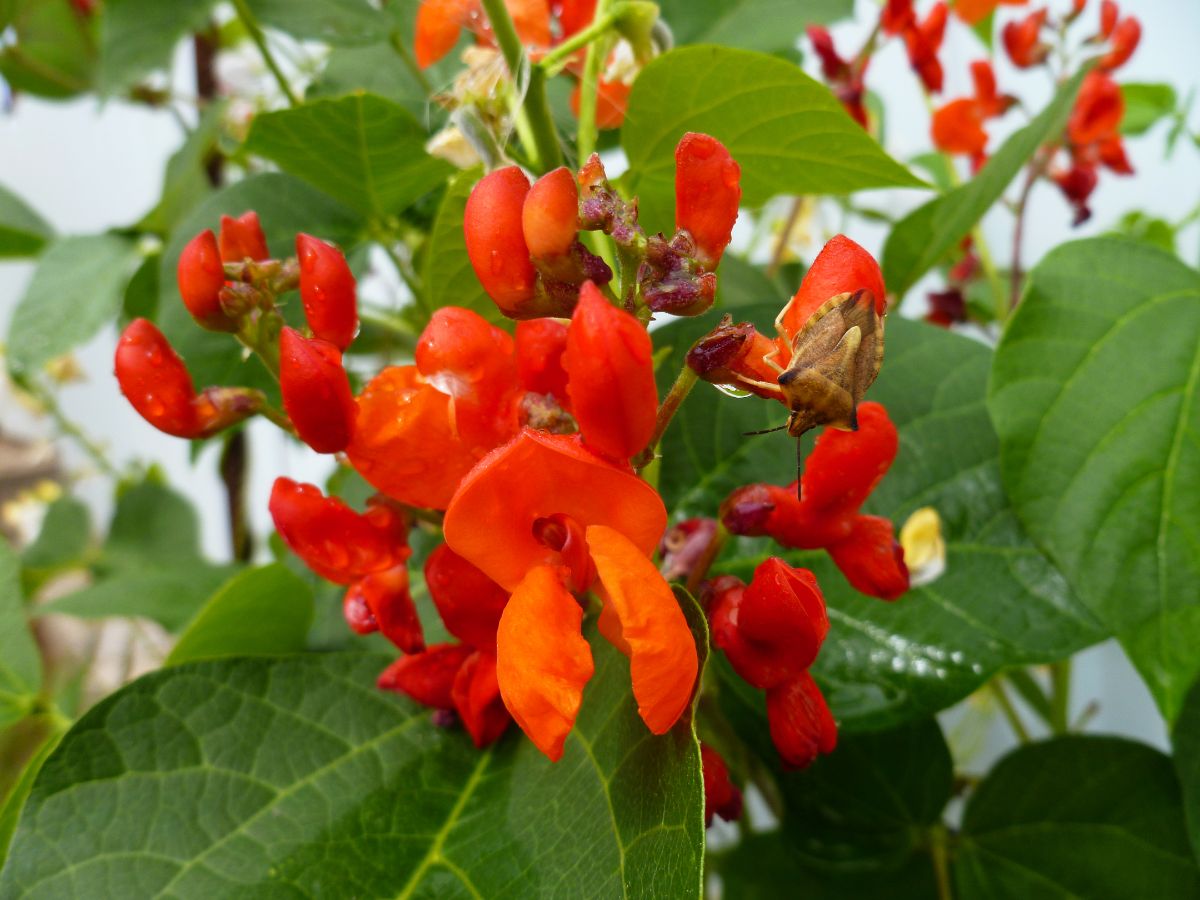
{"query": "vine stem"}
[(1035, 170), (256, 34), (534, 110), (684, 382), (589, 88), (941, 861), (1010, 711), (1060, 696), (599, 27)]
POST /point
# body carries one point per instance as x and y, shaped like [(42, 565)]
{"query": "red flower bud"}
[(492, 226), (707, 193), (611, 376), (427, 677), (387, 596), (201, 275), (801, 724), (333, 540), (541, 344), (1125, 39), (550, 214), (871, 558), (476, 695), (156, 383), (1022, 40), (721, 796), (316, 391), (327, 291), (469, 602), (841, 266), (242, 239)]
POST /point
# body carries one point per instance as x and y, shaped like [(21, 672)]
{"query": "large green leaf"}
[(22, 231), (139, 36), (285, 206), (854, 823), (786, 130), (1077, 817), (296, 776), (379, 148), (63, 537), (331, 21), (54, 54), (926, 235), (75, 291), (20, 666), (999, 602), (1146, 105), (257, 613), (766, 25), (1094, 394), (150, 565), (1186, 741)]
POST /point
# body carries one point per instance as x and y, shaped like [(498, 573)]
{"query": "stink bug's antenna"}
[(765, 430)]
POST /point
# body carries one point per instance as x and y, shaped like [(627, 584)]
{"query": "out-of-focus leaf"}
[(63, 538), (766, 25), (20, 666), (185, 183), (138, 37), (1186, 753), (332, 21), (1145, 106), (22, 231), (54, 55)]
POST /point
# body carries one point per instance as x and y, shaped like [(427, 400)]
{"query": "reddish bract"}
[(333, 540), (610, 376), (316, 391), (707, 193), (242, 239), (201, 275), (327, 290)]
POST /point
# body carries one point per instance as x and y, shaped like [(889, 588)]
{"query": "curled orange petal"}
[(542, 660), (662, 651), (842, 265)]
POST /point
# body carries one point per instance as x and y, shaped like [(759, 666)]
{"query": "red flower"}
[(845, 79), (721, 796), (541, 344), (1125, 38), (707, 193), (610, 376), (327, 290), (958, 126), (316, 391), (1094, 139), (1022, 40), (975, 11), (923, 41), (469, 602), (201, 276), (802, 727), (840, 473), (242, 239), (440, 22), (542, 517), (156, 383)]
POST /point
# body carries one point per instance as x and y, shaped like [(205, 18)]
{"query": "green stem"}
[(256, 35), (600, 26), (684, 382), (589, 87), (1010, 711), (397, 41), (534, 111), (1060, 696), (50, 403), (938, 840), (999, 300)]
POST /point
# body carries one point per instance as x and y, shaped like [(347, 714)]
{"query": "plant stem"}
[(50, 403), (396, 39), (684, 382), (1010, 711), (553, 60), (589, 87), (260, 40), (999, 300), (941, 860), (780, 248), (1060, 696), (1033, 172), (233, 467), (534, 110)]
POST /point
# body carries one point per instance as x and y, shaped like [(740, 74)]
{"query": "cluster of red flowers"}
[(524, 445)]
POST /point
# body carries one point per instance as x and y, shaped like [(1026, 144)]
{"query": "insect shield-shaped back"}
[(835, 358)]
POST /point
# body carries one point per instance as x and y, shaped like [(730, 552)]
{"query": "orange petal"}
[(537, 475), (662, 651), (958, 127), (542, 660), (438, 25)]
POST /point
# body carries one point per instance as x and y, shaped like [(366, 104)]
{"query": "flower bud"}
[(327, 290), (469, 602), (721, 796), (550, 214), (802, 727), (201, 275), (242, 239), (427, 677), (333, 540), (610, 376), (493, 229), (1125, 39), (707, 193), (316, 391), (1023, 43)]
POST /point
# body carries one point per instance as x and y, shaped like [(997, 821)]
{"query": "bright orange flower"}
[(440, 22), (545, 518), (958, 128), (975, 11)]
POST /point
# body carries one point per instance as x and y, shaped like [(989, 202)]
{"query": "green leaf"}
[(75, 291), (999, 602), (150, 565), (926, 235), (332, 21), (1077, 817), (22, 231), (382, 166), (285, 206), (1186, 742), (260, 612), (20, 665), (1145, 106), (740, 283), (54, 54), (786, 130), (1094, 393), (185, 182), (296, 776), (63, 538), (766, 25), (446, 274), (138, 37)]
